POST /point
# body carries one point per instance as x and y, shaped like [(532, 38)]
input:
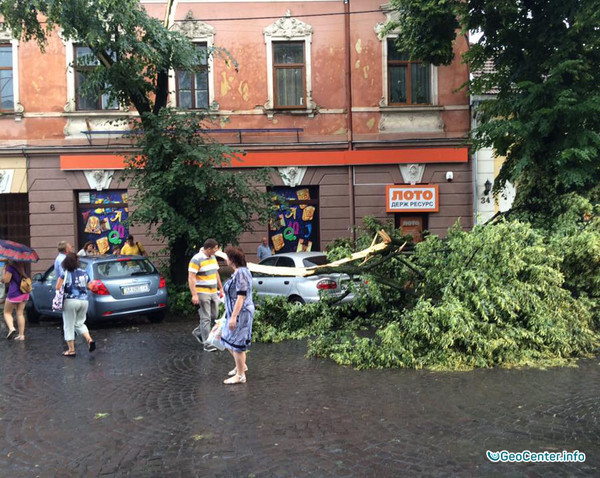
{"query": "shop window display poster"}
[(102, 216), (293, 226)]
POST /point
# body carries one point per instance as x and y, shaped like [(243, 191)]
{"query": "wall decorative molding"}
[(289, 28), (5, 34), (6, 179), (412, 173), (292, 176), (99, 179), (194, 28)]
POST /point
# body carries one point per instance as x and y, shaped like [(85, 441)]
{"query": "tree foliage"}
[(186, 193), (135, 50), (545, 118), (503, 294)]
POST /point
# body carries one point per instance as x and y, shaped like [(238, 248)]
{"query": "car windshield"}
[(124, 268), (315, 261)]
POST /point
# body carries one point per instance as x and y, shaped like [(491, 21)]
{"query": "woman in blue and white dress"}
[(236, 332), (75, 304)]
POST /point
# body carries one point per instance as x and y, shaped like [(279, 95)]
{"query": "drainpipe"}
[(475, 160), (170, 13), (348, 78)]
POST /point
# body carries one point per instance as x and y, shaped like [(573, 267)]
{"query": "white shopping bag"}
[(214, 338)]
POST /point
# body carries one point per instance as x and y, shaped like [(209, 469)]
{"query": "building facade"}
[(349, 125)]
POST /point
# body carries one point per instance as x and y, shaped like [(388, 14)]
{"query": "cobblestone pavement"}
[(150, 403)]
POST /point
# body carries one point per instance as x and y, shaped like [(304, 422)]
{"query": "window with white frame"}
[(9, 74), (408, 81), (85, 62), (195, 89), (405, 83), (7, 99), (288, 72), (192, 86), (289, 84)]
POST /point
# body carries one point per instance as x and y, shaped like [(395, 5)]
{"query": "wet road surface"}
[(150, 403)]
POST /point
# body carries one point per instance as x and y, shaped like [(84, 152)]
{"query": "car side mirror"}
[(37, 277)]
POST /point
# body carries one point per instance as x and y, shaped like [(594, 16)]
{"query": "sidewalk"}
[(150, 403)]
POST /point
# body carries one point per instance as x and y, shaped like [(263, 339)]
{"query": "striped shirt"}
[(206, 270)]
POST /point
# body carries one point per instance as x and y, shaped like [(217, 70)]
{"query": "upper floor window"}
[(192, 86), (85, 62), (6, 78), (409, 82), (195, 89), (288, 71)]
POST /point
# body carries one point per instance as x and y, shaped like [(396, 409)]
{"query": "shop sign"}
[(409, 198)]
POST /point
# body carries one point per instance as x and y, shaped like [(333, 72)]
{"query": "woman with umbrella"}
[(16, 254), (15, 299)]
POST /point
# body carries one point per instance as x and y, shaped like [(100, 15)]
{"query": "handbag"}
[(25, 285), (59, 298)]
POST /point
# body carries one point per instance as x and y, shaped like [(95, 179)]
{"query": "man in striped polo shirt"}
[(203, 281)]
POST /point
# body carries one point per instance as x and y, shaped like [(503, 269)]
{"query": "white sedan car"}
[(300, 289)]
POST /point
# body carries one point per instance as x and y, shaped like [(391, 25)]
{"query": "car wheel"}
[(33, 315), (157, 317), (296, 299)]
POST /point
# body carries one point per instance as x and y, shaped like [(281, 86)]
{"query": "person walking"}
[(63, 249), (15, 300), (75, 303), (263, 249), (236, 332), (203, 281), (133, 248), (3, 287)]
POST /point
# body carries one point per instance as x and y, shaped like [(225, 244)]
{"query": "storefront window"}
[(14, 217), (412, 225), (101, 219), (294, 223)]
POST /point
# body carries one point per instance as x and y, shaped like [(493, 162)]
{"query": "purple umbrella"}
[(17, 252)]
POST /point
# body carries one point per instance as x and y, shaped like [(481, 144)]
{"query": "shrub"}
[(180, 302)]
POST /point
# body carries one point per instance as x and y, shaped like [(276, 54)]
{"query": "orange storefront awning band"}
[(294, 158)]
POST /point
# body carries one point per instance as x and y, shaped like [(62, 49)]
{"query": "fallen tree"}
[(492, 296)]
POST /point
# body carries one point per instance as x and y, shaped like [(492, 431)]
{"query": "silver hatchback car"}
[(119, 286), (300, 289)]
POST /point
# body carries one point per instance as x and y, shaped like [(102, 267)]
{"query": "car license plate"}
[(135, 289)]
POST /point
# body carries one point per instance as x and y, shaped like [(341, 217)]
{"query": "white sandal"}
[(231, 373), (235, 379)]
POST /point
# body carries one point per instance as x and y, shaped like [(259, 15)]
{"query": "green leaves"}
[(500, 295), (427, 29), (135, 49), (545, 114), (186, 192)]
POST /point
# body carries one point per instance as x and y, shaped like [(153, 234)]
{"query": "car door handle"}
[(286, 282)]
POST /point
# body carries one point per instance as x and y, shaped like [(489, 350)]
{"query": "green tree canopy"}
[(135, 51), (186, 193), (545, 118)]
